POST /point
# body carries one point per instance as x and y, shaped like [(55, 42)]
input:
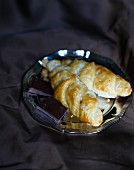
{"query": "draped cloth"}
[(32, 29)]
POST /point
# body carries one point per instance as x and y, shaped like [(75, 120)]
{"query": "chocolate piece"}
[(53, 107), (40, 87), (48, 109)]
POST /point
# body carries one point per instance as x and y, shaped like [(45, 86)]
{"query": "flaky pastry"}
[(85, 87)]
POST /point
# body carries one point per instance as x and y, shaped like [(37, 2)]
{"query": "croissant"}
[(104, 82), (77, 85), (79, 100)]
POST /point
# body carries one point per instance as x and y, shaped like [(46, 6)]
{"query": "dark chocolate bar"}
[(40, 87), (49, 109), (53, 107)]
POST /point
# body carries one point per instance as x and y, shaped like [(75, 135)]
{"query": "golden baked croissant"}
[(97, 78), (76, 83), (79, 100), (104, 82)]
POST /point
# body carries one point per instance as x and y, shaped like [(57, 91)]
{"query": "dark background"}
[(30, 29)]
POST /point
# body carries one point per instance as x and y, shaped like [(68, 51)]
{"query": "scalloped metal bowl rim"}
[(81, 55)]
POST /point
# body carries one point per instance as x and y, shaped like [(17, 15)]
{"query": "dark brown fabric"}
[(30, 29)]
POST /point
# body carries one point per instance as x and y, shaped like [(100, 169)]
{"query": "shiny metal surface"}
[(69, 123)]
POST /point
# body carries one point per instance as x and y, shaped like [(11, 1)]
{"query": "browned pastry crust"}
[(77, 65), (59, 77), (122, 87), (74, 95), (89, 111), (66, 62), (51, 65), (60, 91), (104, 82), (58, 69), (87, 74)]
